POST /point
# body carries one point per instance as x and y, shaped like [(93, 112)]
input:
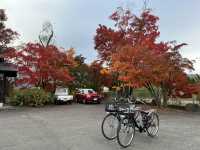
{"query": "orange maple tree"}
[(133, 51)]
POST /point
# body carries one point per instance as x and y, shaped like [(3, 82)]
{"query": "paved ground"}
[(77, 127)]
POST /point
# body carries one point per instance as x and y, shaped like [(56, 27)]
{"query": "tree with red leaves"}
[(132, 50), (7, 35), (45, 67)]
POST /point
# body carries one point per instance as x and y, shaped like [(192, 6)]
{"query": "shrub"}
[(30, 97), (17, 98)]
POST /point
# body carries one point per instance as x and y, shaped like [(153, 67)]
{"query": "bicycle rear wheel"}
[(152, 130), (109, 126), (125, 133)]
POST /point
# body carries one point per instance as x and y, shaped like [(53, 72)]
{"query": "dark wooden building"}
[(6, 70)]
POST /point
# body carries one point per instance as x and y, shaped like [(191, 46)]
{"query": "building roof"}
[(9, 69)]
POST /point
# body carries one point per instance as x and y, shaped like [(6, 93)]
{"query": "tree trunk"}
[(157, 101), (155, 93), (165, 95), (165, 99)]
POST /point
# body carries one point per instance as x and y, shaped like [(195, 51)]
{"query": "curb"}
[(4, 108)]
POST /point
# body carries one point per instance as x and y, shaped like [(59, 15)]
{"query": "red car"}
[(87, 96)]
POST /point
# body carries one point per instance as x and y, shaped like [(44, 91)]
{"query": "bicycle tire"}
[(153, 134), (105, 134), (119, 140)]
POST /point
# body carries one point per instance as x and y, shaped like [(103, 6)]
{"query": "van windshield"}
[(61, 90)]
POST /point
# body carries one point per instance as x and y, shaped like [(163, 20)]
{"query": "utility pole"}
[(145, 2)]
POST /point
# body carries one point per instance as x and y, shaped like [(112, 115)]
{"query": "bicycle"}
[(144, 121), (111, 121)]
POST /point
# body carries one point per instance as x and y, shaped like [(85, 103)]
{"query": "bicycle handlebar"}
[(130, 100)]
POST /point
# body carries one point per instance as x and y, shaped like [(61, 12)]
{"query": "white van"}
[(62, 95)]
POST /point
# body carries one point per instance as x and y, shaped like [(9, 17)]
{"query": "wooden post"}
[(1, 88), (4, 88)]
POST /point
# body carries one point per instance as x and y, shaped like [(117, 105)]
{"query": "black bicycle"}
[(144, 121), (111, 121)]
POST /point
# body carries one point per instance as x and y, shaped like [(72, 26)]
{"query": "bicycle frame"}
[(145, 120)]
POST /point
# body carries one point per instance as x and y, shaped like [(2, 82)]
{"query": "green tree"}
[(80, 73)]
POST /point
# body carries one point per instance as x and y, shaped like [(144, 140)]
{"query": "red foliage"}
[(133, 51), (6, 35), (45, 67)]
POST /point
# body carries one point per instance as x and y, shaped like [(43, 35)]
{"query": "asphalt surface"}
[(77, 127)]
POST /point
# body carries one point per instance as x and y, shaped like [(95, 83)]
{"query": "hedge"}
[(30, 97)]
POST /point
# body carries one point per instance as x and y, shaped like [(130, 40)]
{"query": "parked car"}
[(87, 96), (62, 95)]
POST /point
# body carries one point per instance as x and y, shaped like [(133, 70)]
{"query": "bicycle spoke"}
[(109, 126), (154, 126), (125, 134)]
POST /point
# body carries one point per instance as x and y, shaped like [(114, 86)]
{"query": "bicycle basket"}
[(111, 107), (124, 108)]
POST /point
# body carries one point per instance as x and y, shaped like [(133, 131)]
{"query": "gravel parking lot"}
[(77, 127)]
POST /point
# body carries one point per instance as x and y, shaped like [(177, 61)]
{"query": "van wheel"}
[(57, 102), (84, 101)]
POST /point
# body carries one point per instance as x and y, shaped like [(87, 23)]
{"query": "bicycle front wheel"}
[(125, 133), (109, 126)]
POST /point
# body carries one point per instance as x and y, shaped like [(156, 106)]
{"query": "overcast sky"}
[(75, 21)]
